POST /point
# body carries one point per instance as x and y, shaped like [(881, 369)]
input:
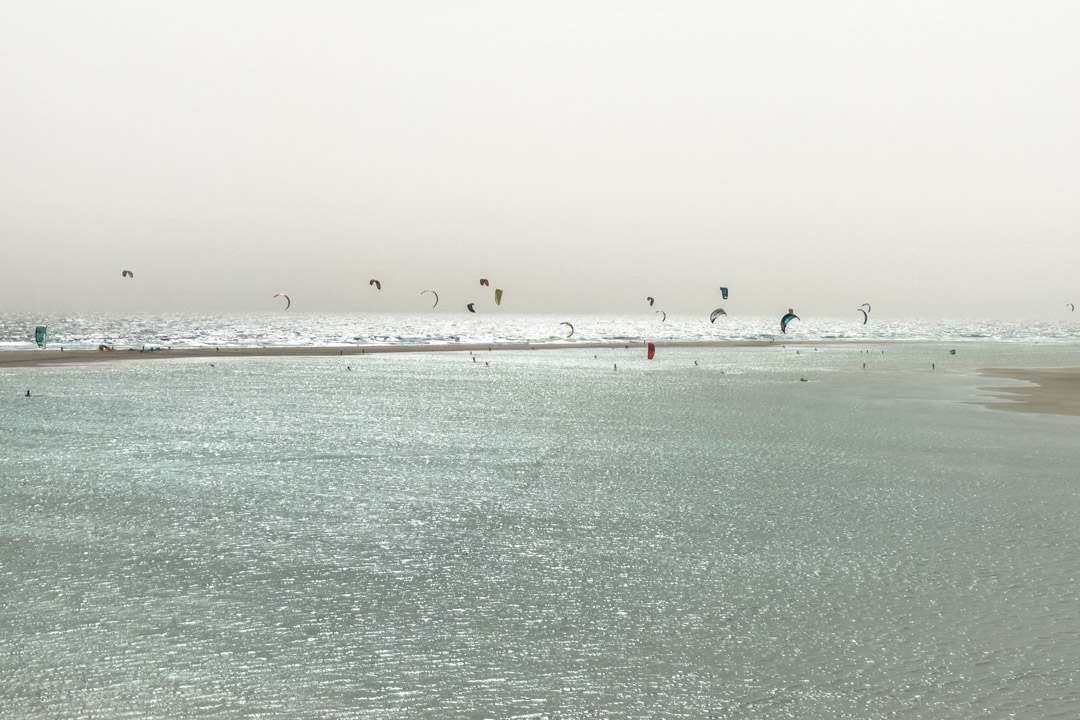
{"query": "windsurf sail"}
[(652, 351), (40, 333), (498, 296)]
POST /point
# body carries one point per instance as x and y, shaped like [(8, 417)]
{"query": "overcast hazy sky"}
[(922, 156)]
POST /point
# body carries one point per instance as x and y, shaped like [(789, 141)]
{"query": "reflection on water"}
[(538, 535), (293, 328)]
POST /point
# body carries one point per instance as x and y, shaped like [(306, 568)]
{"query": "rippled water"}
[(284, 329), (539, 534)]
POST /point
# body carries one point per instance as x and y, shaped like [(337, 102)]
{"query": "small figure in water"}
[(616, 367), (348, 367), (27, 393), (933, 366)]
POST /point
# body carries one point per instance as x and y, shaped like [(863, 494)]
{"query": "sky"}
[(920, 156)]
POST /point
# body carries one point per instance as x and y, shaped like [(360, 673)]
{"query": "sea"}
[(847, 528)]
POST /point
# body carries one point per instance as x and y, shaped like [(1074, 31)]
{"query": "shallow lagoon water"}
[(538, 534)]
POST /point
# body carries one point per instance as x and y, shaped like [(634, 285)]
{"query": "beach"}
[(1049, 390), (33, 358), (1055, 391)]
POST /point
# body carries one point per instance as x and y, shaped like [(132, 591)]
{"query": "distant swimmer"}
[(27, 393), (616, 367), (348, 367), (933, 366), (803, 380), (695, 363), (211, 364)]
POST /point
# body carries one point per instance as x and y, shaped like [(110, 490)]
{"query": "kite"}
[(651, 301), (376, 283), (569, 326), (788, 317), (865, 317), (433, 293), (288, 302), (128, 274), (664, 318), (484, 282), (471, 308), (723, 292), (716, 313)]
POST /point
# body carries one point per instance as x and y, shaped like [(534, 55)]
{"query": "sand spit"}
[(34, 358), (1054, 391)]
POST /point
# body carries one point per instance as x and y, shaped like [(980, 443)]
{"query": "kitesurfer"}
[(27, 393)]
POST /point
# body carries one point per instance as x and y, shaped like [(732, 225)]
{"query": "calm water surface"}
[(538, 534)]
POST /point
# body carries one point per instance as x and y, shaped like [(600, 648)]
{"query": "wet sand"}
[(35, 358), (1054, 391)]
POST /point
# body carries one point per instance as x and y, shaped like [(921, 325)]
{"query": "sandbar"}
[(35, 358), (1053, 391)]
